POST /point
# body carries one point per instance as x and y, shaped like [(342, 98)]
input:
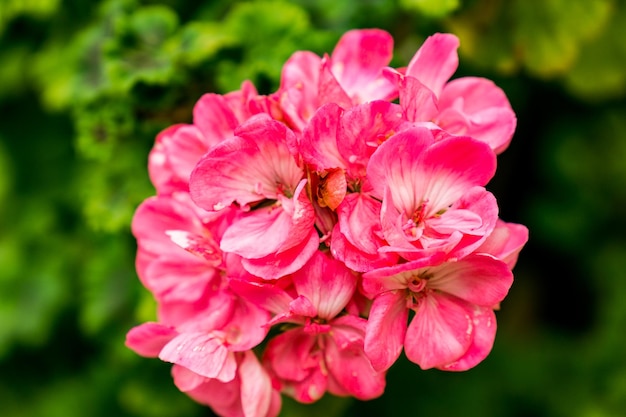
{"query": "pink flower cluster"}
[(293, 233)]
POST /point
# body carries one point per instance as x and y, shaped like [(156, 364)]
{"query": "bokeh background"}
[(86, 85)]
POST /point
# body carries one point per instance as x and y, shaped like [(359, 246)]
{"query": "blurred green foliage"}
[(86, 85)]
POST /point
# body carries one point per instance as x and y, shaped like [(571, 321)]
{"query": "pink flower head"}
[(353, 74), (432, 193), (454, 324), (305, 226)]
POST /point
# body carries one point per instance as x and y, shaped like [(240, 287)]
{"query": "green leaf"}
[(431, 8), (136, 53), (200, 41)]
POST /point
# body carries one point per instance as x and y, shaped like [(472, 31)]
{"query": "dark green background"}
[(86, 85)]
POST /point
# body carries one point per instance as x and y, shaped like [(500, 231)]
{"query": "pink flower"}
[(178, 253), (454, 324), (467, 106), (338, 144), (271, 211), (256, 169), (324, 352), (179, 148), (432, 193), (248, 394), (353, 74)]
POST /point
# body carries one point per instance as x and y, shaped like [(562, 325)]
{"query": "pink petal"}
[(358, 60), (179, 278), (330, 90), (464, 221), (327, 283), (183, 149), (505, 242), (202, 353), (298, 92), (149, 338), (214, 117), (477, 279), (359, 221), (289, 355), (270, 230), (223, 397), (440, 332), (418, 101), (256, 387), (319, 139), (160, 170), (483, 336), (267, 296), (354, 258), (398, 276), (348, 364), (241, 102), (396, 161), (186, 380), (435, 61), (458, 163), (250, 167), (210, 312), (277, 265), (302, 307), (363, 128), (246, 328), (202, 245), (476, 107), (155, 216), (386, 329), (481, 202)]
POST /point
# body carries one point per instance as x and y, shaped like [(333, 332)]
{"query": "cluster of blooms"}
[(293, 233)]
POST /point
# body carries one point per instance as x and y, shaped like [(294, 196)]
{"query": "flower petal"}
[(148, 339), (505, 242), (327, 283), (358, 60), (276, 265), (348, 364), (478, 279), (435, 61), (476, 107), (202, 353), (256, 387), (483, 336), (386, 329), (250, 167), (440, 331)]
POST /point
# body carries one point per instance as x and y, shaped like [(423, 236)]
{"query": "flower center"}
[(417, 284), (413, 227)]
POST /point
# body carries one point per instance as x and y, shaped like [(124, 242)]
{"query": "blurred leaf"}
[(200, 41), (548, 34), (431, 8), (137, 52), (266, 39), (9, 9), (599, 72), (544, 37)]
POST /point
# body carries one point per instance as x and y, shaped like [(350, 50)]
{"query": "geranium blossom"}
[(293, 235), (454, 325)]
